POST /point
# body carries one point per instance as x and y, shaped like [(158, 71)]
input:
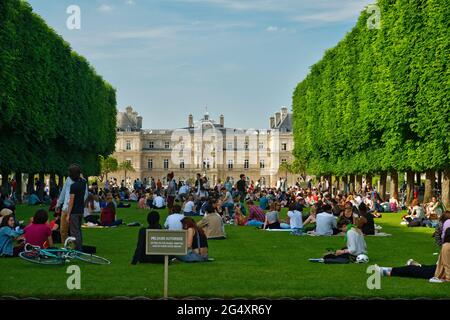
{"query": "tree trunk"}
[(382, 191), (446, 188), (30, 183), (358, 183), (60, 181), (439, 180), (345, 184), (394, 185), (338, 184), (4, 188), (19, 187), (369, 179), (409, 187), (430, 178), (41, 186), (418, 178), (352, 183)]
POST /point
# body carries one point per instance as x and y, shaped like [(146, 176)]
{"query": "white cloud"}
[(105, 8), (150, 33), (130, 2), (271, 29), (334, 12)]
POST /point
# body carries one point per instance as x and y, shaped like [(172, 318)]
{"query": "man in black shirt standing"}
[(76, 205), (241, 187)]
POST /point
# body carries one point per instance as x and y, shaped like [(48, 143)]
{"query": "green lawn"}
[(251, 263)]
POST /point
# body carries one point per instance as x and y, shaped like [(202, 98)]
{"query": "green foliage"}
[(379, 100), (108, 165), (55, 109)]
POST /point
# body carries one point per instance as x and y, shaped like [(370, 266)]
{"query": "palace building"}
[(207, 147)]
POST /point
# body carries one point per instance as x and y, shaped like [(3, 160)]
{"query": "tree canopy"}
[(380, 99), (55, 109)]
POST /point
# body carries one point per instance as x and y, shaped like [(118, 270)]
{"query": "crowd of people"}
[(310, 210)]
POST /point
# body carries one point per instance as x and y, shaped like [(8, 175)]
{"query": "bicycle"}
[(61, 256)]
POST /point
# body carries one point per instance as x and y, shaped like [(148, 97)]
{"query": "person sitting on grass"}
[(212, 224), (55, 226), (108, 216), (189, 207), (89, 209), (197, 242), (239, 218), (173, 220), (435, 273), (294, 219), (355, 245), (366, 221), (310, 223), (38, 233), (142, 202), (272, 220), (416, 214), (347, 213), (140, 255), (326, 222), (7, 234), (256, 217), (159, 203)]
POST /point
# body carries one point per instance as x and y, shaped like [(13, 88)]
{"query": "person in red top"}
[(108, 216), (38, 233)]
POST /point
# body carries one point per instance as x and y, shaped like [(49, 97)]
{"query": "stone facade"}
[(205, 147)]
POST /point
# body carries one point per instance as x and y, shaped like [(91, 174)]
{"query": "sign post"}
[(166, 243)]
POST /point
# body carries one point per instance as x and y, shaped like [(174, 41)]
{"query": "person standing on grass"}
[(171, 190), (62, 206), (241, 187), (76, 205)]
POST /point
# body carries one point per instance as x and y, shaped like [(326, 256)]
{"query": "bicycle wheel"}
[(40, 258), (90, 258)]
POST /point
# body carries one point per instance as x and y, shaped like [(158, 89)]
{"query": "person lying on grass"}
[(355, 245), (7, 234), (139, 254), (436, 273), (197, 242)]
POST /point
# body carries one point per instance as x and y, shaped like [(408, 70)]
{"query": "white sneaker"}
[(404, 223), (436, 280), (412, 262)]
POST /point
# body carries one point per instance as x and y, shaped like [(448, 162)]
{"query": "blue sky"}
[(169, 58)]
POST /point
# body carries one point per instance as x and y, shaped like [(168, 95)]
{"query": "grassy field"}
[(251, 263)]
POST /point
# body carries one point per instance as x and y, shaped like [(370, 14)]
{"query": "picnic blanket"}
[(379, 234)]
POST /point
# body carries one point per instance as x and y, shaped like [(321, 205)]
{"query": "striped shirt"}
[(256, 213)]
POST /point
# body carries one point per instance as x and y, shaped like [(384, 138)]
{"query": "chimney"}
[(272, 122), (222, 120), (191, 121), (139, 122), (284, 113), (277, 119)]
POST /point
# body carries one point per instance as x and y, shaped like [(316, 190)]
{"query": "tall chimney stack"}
[(191, 121), (222, 120), (277, 118), (272, 122)]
